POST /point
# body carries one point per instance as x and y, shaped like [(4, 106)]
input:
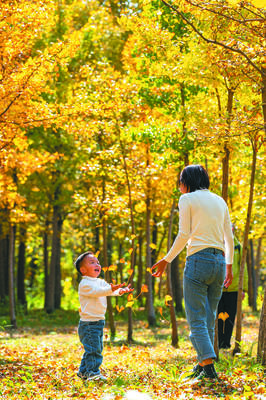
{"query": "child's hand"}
[(127, 289), (115, 287)]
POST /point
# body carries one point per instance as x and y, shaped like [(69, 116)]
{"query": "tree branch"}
[(180, 13)]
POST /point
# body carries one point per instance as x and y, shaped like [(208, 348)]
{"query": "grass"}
[(41, 359)]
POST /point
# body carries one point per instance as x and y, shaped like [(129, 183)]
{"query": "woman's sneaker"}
[(195, 372), (97, 377), (208, 373)]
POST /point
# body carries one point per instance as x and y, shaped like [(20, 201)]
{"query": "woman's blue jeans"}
[(203, 283), (91, 336)]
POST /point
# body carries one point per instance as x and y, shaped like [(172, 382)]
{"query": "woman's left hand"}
[(228, 276), (160, 267)]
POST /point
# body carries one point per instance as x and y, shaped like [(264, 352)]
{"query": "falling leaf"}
[(149, 270), (144, 288), (105, 269), (119, 309), (122, 260), (112, 268), (153, 246), (161, 311), (129, 303), (130, 272), (130, 250), (133, 237), (166, 299), (130, 297)]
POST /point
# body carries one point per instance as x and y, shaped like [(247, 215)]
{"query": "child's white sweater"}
[(92, 298)]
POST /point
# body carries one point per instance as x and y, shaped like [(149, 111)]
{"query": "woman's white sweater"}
[(204, 222)]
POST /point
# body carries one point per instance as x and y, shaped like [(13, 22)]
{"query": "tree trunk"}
[(261, 354), (133, 249), (263, 95), (140, 270), (243, 259), (21, 269), (169, 283), (58, 287), (105, 262), (4, 251), (176, 285), (250, 284), (254, 280), (149, 295), (225, 173), (46, 263), (12, 308), (53, 263)]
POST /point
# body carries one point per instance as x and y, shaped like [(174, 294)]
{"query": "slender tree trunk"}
[(105, 261), (176, 285), (12, 307), (120, 265), (149, 295), (225, 173), (169, 283), (46, 263), (254, 281), (97, 244), (140, 269), (4, 251), (261, 354), (21, 296), (243, 259), (133, 249), (58, 286), (53, 262), (263, 95)]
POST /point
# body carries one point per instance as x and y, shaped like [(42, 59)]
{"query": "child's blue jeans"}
[(203, 282), (91, 336)]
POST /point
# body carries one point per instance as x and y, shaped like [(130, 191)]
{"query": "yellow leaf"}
[(112, 268), (259, 3), (130, 297), (144, 288), (149, 270), (129, 303), (132, 237), (223, 316), (153, 246), (130, 250), (105, 269), (166, 299), (130, 272), (120, 309)]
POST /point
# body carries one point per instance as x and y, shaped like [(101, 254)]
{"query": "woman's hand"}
[(228, 276), (160, 267)]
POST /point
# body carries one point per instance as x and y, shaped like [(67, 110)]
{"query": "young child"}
[(93, 303)]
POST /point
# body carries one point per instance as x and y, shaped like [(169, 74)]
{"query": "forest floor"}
[(40, 361)]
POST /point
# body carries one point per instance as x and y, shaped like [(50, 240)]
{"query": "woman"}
[(204, 225)]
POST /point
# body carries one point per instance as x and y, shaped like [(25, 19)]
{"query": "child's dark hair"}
[(80, 258), (195, 177)]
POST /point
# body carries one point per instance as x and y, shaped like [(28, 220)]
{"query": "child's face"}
[(90, 267)]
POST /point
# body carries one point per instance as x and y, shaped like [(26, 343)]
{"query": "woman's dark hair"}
[(195, 177), (80, 259)]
